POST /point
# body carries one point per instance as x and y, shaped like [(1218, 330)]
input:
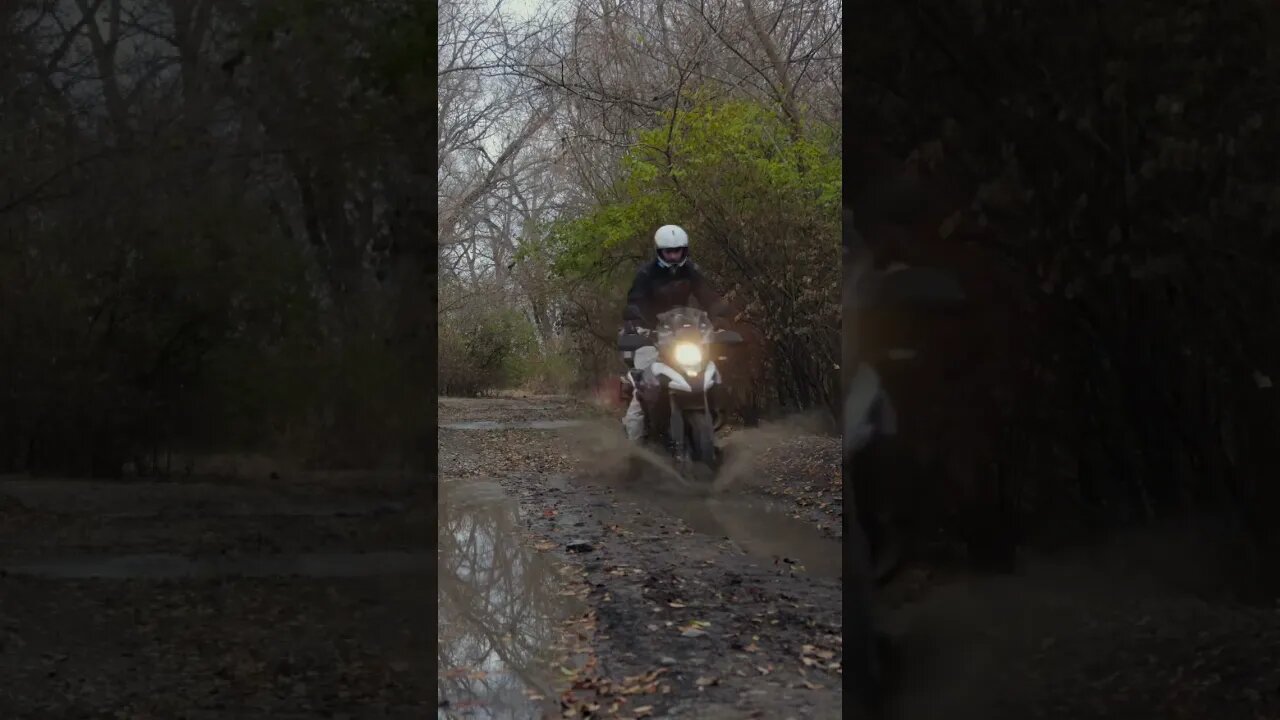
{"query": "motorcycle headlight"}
[(688, 354)]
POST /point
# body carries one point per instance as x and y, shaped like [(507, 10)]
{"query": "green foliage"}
[(735, 155), (548, 370), (484, 347), (581, 246), (761, 205)]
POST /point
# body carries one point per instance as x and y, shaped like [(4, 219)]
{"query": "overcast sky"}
[(524, 9)]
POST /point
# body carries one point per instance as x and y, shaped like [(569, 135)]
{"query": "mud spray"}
[(743, 448), (605, 453)]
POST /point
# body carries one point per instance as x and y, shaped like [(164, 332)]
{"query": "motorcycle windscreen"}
[(910, 287)]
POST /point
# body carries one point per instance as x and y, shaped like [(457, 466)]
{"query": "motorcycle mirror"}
[(726, 337), (631, 342)]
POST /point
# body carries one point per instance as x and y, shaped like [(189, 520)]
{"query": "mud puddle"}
[(514, 425), (500, 608), (760, 528), (163, 566)]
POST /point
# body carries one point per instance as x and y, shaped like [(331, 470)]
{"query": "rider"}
[(661, 284)]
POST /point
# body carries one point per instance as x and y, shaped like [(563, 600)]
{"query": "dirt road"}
[(295, 597), (640, 607), (631, 602)]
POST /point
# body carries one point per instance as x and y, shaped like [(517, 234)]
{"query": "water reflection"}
[(499, 608)]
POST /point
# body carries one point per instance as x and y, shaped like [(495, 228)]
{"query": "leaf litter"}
[(610, 653)]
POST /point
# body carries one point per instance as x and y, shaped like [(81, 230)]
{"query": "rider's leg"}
[(633, 421)]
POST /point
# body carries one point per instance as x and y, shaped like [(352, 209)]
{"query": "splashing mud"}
[(742, 449), (722, 508), (604, 452)]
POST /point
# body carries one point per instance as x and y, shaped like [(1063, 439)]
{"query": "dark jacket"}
[(657, 289)]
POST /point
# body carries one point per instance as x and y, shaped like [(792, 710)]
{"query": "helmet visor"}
[(673, 255)]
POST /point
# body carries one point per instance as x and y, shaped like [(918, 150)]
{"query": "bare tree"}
[(142, 139), (538, 115)]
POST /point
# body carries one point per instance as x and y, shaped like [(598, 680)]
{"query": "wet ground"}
[(1066, 640), (659, 601), (230, 598), (585, 596), (521, 425), (162, 566)]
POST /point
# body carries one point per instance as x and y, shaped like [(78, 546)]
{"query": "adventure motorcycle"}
[(870, 425), (680, 389)]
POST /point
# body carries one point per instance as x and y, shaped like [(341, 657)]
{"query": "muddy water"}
[(500, 607), (760, 528)]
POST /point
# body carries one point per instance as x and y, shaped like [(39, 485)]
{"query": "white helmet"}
[(671, 237)]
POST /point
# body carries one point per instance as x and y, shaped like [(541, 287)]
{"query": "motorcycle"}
[(869, 426), (680, 388)]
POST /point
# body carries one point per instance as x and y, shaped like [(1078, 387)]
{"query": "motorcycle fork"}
[(651, 401), (675, 430)]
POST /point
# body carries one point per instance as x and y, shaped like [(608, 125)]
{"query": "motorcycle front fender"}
[(710, 376), (675, 378), (675, 430)]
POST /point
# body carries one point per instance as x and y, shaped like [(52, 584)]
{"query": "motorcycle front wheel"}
[(700, 435)]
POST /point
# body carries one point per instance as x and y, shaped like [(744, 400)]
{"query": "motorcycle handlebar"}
[(630, 342)]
